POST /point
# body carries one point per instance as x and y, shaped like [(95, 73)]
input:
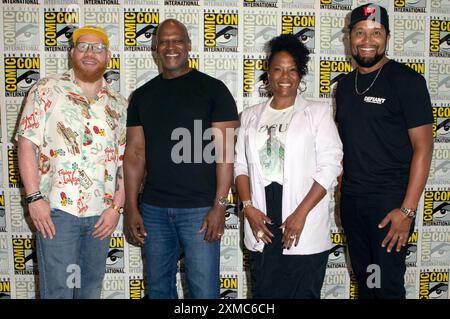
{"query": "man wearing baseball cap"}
[(74, 187), (384, 114)]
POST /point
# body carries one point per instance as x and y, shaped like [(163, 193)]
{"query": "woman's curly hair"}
[(291, 44)]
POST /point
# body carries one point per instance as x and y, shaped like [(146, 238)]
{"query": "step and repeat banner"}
[(228, 38)]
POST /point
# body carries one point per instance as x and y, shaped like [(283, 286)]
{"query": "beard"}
[(368, 62), (88, 75)]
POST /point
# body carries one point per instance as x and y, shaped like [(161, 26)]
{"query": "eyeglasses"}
[(96, 47)]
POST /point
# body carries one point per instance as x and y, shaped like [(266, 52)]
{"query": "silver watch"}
[(223, 201)]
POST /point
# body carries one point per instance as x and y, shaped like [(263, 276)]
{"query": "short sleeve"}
[(224, 108), (133, 118), (32, 122)]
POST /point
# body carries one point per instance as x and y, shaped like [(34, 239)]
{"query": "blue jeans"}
[(72, 264), (168, 231)]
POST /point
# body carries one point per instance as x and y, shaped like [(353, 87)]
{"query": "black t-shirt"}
[(175, 113), (374, 127)]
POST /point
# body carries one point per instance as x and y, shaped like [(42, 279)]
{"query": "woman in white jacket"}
[(288, 157)]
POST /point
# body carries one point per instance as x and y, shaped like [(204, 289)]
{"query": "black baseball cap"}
[(372, 12)]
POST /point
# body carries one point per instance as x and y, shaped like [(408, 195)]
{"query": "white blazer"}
[(313, 152)]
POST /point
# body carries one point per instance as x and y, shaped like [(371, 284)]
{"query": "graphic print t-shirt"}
[(270, 141)]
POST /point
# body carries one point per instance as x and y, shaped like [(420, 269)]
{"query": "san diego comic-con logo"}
[(334, 284), (436, 209), (439, 80), (439, 37), (353, 290), (331, 70), (181, 2), (113, 287), (409, 36), (414, 6), (331, 39), (191, 19), (336, 256), (21, 73), (24, 255), (336, 4), (21, 29), (417, 65), (13, 168), (137, 287), (435, 246), (108, 18), (5, 288), (225, 68), (112, 73), (441, 126), (440, 164), (55, 63), (228, 286), (140, 68), (260, 3), (433, 284), (140, 28), (254, 68), (115, 260), (259, 28), (59, 25), (2, 212), (410, 283), (411, 250), (302, 25), (220, 31), (229, 252)]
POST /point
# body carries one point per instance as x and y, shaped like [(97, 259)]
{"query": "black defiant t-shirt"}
[(374, 127), (175, 113)]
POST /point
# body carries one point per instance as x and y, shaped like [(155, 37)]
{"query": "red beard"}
[(88, 75)]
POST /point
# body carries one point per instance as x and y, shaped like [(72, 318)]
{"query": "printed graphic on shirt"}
[(435, 246), (331, 70), (436, 208), (336, 4), (302, 25), (21, 73), (260, 3), (433, 284), (21, 28), (409, 35), (5, 288), (298, 4), (140, 26), (439, 37), (137, 286), (414, 6), (220, 32), (59, 24), (439, 80), (115, 261), (259, 28), (24, 255), (190, 17), (336, 257), (331, 40), (229, 286), (107, 17)]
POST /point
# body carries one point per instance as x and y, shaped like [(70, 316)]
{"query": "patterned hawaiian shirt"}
[(80, 142)]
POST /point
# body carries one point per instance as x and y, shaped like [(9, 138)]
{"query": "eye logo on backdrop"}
[(436, 209), (441, 125), (409, 36), (302, 25), (140, 28), (259, 28), (336, 256), (21, 73), (21, 29), (336, 4), (414, 6), (59, 25), (435, 246), (115, 260), (433, 285), (112, 73), (220, 31), (260, 3), (331, 39), (439, 37), (331, 70)]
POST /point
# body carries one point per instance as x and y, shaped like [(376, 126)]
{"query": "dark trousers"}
[(274, 275), (360, 217)]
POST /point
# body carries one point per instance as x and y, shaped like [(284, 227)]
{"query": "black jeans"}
[(360, 217), (274, 275)]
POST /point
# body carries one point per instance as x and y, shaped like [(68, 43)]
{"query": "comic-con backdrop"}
[(227, 42)]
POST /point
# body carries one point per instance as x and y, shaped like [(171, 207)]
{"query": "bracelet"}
[(247, 203), (409, 212), (33, 197), (117, 208)]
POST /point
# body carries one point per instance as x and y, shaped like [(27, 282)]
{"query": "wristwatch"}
[(223, 201), (409, 212), (117, 208), (246, 203)]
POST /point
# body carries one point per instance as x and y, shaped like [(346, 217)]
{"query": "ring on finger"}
[(260, 234), (292, 237)]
